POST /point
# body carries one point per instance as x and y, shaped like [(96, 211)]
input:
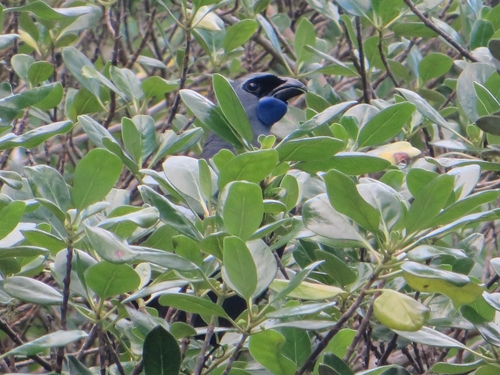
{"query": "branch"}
[(427, 22), (337, 327), (64, 305), (362, 68), (384, 59), (17, 340), (182, 83)]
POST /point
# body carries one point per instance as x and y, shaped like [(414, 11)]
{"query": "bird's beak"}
[(288, 90)]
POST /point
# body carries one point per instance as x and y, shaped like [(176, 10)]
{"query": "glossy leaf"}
[(161, 353), (95, 176), (385, 124), (459, 288), (399, 311), (232, 108), (242, 209), (266, 347), (345, 199), (239, 270)]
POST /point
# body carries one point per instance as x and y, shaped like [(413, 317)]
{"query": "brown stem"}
[(149, 32), (17, 340), (427, 22), (362, 68), (234, 355), (185, 67), (336, 328), (64, 305), (384, 59)]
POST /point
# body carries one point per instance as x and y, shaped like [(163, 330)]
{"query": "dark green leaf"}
[(161, 353), (345, 199), (108, 279), (385, 124), (242, 209), (95, 176)]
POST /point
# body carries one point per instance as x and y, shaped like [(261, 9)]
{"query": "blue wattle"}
[(270, 110)]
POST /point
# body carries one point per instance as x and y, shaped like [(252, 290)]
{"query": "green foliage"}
[(364, 227)]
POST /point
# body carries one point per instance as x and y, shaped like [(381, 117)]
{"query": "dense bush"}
[(360, 238)]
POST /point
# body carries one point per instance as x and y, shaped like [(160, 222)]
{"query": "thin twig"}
[(336, 328), (64, 304), (17, 340), (233, 357), (427, 22), (362, 68), (384, 59), (182, 83)]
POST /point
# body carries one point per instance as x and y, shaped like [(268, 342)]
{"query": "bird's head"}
[(265, 98)]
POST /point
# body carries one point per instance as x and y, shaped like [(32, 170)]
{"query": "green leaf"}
[(52, 99), (156, 86), (52, 340), (43, 10), (32, 291), (464, 206), (108, 279), (482, 31), (487, 102), (238, 34), (401, 312), (489, 124), (455, 286), (21, 251), (434, 65), (10, 216), (304, 35), (309, 149), (308, 291), (161, 353), (169, 213), (75, 61), (41, 238), (109, 246), (47, 183), (35, 137), (132, 140), (320, 217), (95, 176), (455, 368), (242, 208), (210, 115), (489, 330), (239, 270), (428, 203), (413, 30), (192, 304), (345, 198), (385, 124), (271, 34), (251, 166), (336, 268), (40, 71), (7, 39), (232, 108), (297, 344), (21, 63), (127, 82), (27, 98), (349, 163), (266, 348), (431, 337)]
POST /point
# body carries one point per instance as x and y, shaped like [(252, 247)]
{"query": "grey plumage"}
[(264, 97)]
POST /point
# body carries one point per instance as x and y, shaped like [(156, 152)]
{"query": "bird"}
[(265, 99)]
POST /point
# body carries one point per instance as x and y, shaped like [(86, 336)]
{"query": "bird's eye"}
[(252, 87)]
